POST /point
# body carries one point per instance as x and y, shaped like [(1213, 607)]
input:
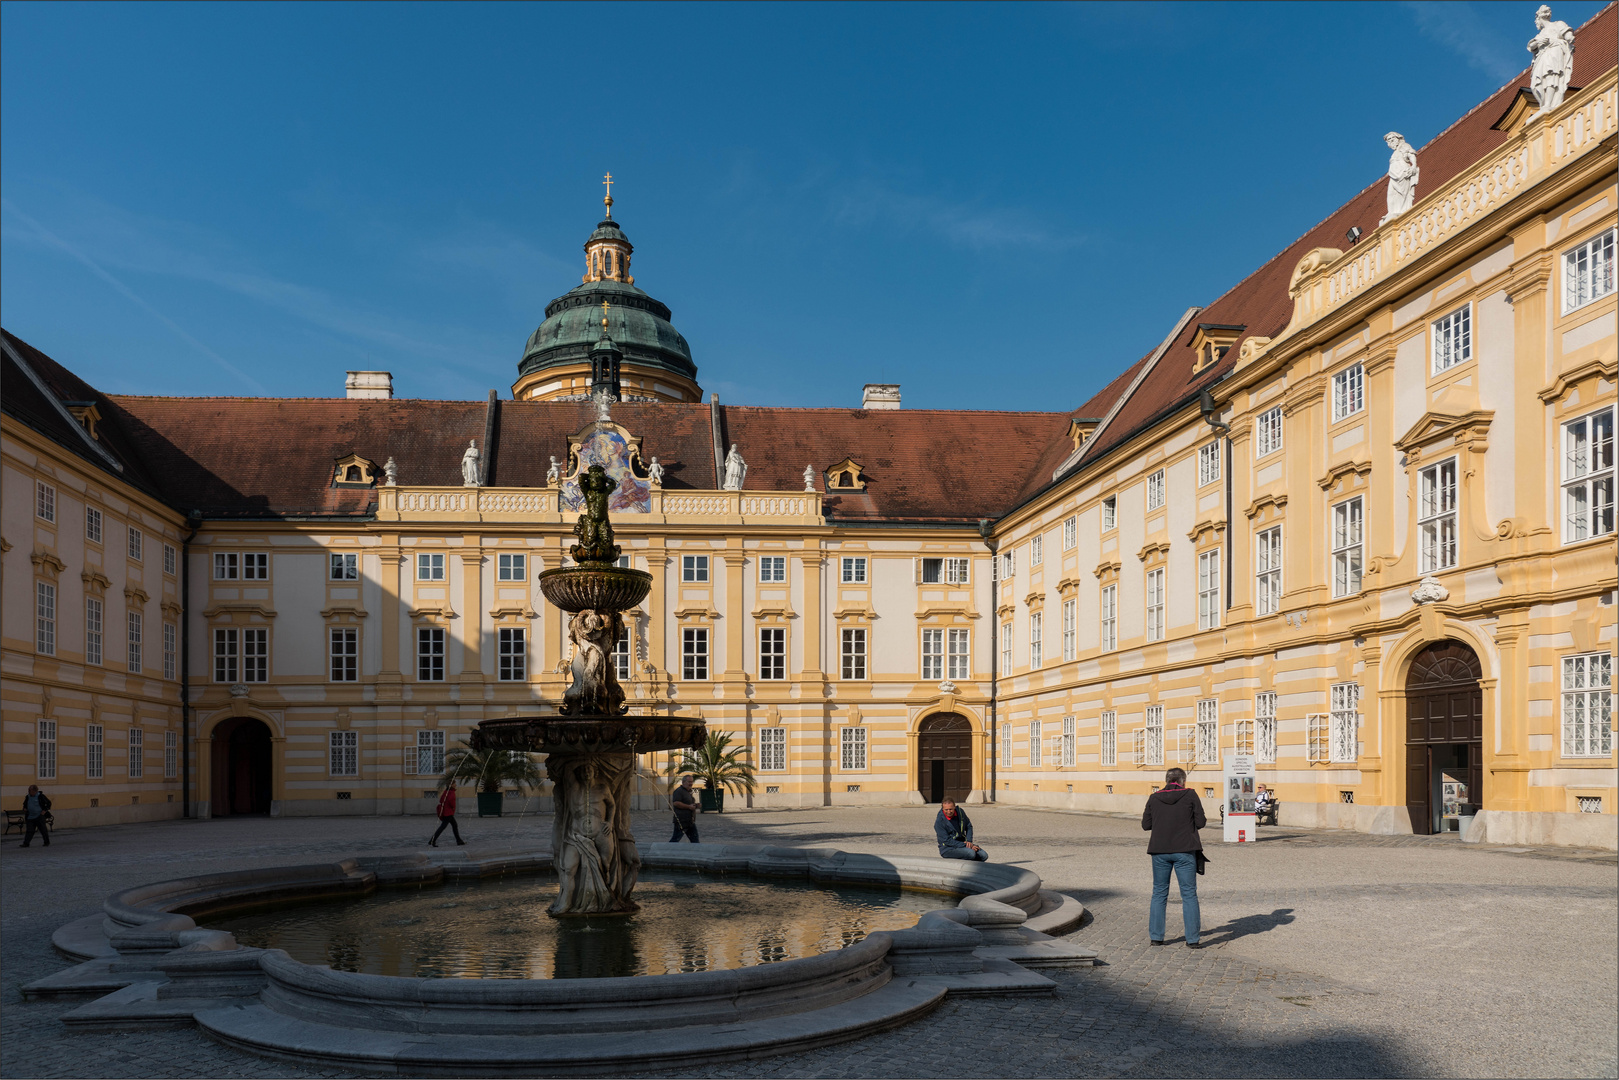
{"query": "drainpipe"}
[(994, 659), (1205, 403), (193, 519)]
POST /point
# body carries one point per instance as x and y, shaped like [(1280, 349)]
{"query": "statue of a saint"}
[(390, 470), (1553, 50), (654, 472), (809, 478), (554, 473), (736, 470), (1402, 176), (594, 533), (471, 473)]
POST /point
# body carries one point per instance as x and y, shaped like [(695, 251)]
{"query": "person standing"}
[(684, 803), (1173, 815), (954, 832), (446, 816), (35, 806)]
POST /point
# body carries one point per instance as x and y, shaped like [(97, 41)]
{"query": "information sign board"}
[(1241, 823)]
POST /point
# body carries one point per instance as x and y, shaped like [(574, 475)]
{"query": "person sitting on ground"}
[(954, 831)]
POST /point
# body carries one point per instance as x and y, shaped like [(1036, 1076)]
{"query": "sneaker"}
[(1194, 944), (1151, 942)]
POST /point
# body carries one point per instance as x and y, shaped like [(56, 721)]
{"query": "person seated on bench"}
[(1264, 806), (954, 832)]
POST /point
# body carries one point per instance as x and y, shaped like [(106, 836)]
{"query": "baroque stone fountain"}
[(590, 746)]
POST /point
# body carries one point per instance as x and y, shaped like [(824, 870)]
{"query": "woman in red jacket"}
[(446, 816)]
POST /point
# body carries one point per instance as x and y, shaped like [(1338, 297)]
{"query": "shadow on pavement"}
[(1248, 925)]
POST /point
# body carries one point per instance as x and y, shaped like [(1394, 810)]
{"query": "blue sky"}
[(995, 206)]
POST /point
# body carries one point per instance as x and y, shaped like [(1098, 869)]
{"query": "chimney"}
[(880, 396), (369, 384)]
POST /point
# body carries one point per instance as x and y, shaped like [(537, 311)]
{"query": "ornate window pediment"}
[(1444, 429)]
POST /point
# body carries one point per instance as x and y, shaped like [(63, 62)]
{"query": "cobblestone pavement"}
[(1329, 953)]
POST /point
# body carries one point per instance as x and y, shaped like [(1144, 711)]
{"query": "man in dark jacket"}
[(36, 809), (1173, 816), (955, 834)]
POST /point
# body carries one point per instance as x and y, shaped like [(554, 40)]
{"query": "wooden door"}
[(1444, 708), (944, 758)]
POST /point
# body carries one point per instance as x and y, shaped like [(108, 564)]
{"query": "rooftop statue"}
[(654, 472), (390, 469), (1403, 174), (1553, 50), (554, 473), (736, 470), (809, 478), (471, 473)]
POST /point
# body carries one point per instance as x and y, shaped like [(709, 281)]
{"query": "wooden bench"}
[(14, 820)]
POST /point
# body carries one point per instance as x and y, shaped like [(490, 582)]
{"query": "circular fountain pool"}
[(498, 929)]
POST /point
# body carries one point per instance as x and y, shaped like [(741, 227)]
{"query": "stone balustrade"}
[(543, 506)]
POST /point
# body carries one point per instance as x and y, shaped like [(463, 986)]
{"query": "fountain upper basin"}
[(595, 587), (584, 735)]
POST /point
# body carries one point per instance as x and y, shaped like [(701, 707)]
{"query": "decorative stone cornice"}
[(1106, 567), (228, 610), (774, 609), (1278, 499), (1469, 430), (339, 611), (171, 608), (95, 582), (432, 611), (47, 563), (135, 596), (1153, 552), (1205, 527), (860, 612), (1606, 367), (1342, 469), (1034, 599), (508, 611), (703, 613), (947, 610), (1068, 586)]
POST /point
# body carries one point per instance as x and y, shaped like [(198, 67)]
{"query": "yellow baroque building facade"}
[(1355, 518)]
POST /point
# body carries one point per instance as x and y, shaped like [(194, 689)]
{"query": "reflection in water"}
[(499, 930)]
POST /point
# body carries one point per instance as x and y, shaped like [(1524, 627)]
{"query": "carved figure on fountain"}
[(595, 690), (593, 530), (595, 854)]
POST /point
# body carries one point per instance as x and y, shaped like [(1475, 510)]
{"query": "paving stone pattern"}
[(1329, 953)]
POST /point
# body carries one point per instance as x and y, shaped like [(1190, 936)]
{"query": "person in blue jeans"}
[(1173, 815), (954, 832)]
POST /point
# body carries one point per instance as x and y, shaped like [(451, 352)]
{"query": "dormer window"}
[(845, 476), (1211, 342), (1081, 430), (354, 472)]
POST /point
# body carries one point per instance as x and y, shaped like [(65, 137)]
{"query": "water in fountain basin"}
[(498, 929)]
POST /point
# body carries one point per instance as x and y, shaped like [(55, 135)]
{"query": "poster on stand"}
[(1241, 822)]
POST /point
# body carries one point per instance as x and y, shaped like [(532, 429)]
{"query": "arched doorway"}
[(944, 754), (1444, 740), (241, 767)]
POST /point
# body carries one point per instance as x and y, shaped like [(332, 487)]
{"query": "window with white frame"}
[(1348, 392), (1154, 728), (1070, 632), (171, 755), (171, 559), (1036, 745), (694, 568), (1268, 571), (95, 751), (1185, 744), (773, 652), (1037, 550), (44, 501), (1070, 529), (1110, 737), (344, 566), (1588, 476), (694, 653), (227, 566), (1109, 612), (1037, 654), (92, 524), (136, 761), (1436, 517), (1155, 490), (957, 571), (854, 652), (227, 654), (345, 653), (1345, 720), (92, 630), (1208, 463), (1138, 746), (1244, 743), (255, 566), (854, 570), (255, 655), (1067, 742), (46, 744), (1208, 590), (1006, 743), (1588, 705), (944, 571), (1588, 272), (137, 544), (1268, 432), (430, 653), (1265, 727), (429, 752), (1006, 648), (343, 753), (621, 655), (772, 568), (1110, 513), (1316, 737), (45, 618), (429, 566), (1008, 564), (959, 643), (853, 744), (1348, 539), (1208, 731), (171, 651), (1155, 604), (511, 566), (1453, 339), (136, 625), (773, 749), (513, 656), (932, 654)]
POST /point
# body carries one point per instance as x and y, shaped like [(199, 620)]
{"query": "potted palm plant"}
[(489, 771), (719, 766)]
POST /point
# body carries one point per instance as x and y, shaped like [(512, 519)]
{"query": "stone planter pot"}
[(490, 803), (712, 800)]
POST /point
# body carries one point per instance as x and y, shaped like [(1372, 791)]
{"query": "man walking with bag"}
[(1173, 815)]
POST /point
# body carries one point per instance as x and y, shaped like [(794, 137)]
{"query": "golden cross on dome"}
[(605, 307), (607, 182)]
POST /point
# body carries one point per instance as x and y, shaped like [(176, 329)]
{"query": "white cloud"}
[(1462, 29)]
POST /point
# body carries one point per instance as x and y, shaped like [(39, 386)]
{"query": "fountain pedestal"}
[(590, 749)]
